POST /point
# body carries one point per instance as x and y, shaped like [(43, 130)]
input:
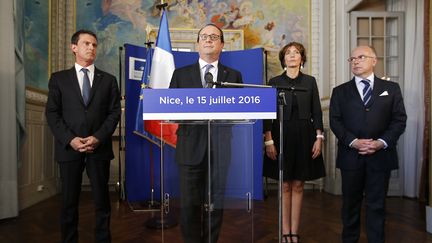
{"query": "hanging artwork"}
[(266, 24), (36, 43)]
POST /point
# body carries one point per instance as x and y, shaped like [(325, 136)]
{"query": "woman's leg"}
[(286, 208), (296, 204)]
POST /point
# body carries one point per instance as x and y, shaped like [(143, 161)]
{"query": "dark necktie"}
[(86, 86), (367, 92), (207, 76)]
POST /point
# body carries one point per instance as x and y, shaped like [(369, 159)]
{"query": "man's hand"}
[(84, 145), (77, 144), (90, 143), (367, 146)]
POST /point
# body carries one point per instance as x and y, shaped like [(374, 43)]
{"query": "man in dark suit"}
[(82, 110), (367, 115), (192, 146)]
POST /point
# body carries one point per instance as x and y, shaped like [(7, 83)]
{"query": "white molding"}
[(316, 29), (35, 96)]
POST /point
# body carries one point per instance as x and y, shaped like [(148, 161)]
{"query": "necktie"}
[(367, 92), (86, 86), (207, 76)]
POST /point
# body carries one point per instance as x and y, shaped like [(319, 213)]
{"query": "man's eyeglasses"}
[(360, 58), (213, 37)]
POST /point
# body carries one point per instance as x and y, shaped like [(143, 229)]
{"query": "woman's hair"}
[(298, 46)]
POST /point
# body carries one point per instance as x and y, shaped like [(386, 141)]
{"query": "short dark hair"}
[(220, 30), (298, 46), (76, 35)]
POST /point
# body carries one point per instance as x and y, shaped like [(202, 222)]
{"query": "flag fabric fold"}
[(163, 59), (157, 75), (139, 123)]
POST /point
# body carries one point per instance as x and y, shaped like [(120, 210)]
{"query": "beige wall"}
[(37, 172)]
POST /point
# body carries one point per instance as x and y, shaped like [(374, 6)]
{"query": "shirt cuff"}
[(384, 142), (350, 145)]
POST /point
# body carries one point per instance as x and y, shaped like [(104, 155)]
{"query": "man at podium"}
[(200, 220)]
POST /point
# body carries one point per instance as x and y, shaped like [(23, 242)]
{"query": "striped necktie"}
[(367, 92), (210, 76), (86, 86)]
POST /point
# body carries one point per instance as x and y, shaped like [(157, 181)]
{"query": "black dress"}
[(302, 116)]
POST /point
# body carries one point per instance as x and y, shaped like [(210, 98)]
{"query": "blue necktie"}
[(367, 92), (86, 86), (207, 70)]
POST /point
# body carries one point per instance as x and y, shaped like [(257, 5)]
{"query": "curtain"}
[(413, 87), (8, 142)]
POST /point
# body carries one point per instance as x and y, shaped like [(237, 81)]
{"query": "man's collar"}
[(91, 68), (202, 63), (370, 78)]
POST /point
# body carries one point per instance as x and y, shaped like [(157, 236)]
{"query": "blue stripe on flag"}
[(163, 39)]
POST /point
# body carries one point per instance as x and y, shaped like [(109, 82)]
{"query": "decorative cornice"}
[(34, 96), (315, 39)]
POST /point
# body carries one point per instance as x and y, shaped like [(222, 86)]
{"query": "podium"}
[(207, 182)]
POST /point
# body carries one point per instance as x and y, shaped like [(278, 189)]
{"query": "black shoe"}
[(295, 238), (286, 237)]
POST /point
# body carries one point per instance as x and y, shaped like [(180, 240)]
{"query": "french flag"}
[(163, 60), (162, 69)]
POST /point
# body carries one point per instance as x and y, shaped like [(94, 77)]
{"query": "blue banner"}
[(142, 158)]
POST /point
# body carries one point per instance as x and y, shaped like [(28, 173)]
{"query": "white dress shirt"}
[(213, 70), (80, 74)]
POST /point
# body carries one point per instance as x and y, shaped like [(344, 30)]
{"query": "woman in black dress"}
[(303, 136)]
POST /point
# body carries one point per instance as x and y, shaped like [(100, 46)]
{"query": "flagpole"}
[(165, 220), (152, 204), (120, 179)]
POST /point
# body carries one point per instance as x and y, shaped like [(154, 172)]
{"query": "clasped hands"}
[(367, 146), (84, 145)]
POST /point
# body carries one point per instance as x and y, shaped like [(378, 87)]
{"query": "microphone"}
[(289, 88), (208, 77)]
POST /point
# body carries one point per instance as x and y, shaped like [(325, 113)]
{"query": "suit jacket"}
[(192, 139), (69, 117), (308, 100), (384, 118)]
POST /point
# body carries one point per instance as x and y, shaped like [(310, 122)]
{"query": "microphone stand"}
[(238, 85), (281, 97), (282, 89), (243, 85), (281, 103)]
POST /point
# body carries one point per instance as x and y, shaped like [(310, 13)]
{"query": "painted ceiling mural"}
[(266, 24), (36, 43)]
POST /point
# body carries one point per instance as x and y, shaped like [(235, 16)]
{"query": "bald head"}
[(363, 61)]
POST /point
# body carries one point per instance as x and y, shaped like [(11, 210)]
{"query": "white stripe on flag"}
[(162, 69)]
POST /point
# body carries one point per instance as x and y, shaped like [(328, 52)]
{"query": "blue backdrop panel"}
[(141, 154)]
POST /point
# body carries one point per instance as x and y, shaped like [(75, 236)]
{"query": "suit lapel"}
[(378, 88), (97, 79), (196, 76), (354, 91), (222, 73)]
